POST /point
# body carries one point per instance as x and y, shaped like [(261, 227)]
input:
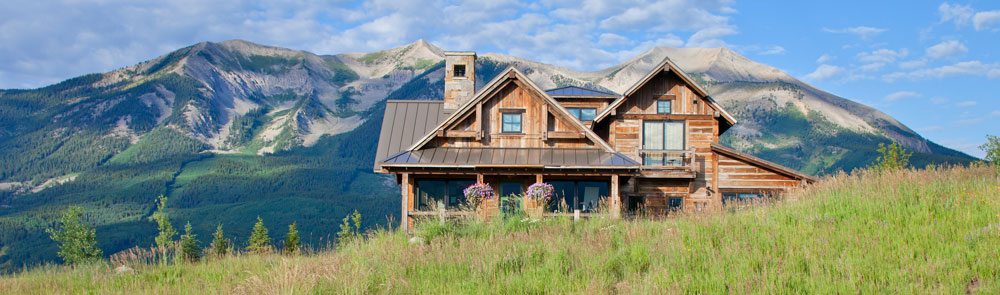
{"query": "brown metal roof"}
[(518, 157), (405, 121)]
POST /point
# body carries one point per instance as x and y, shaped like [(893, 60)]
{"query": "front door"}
[(511, 194)]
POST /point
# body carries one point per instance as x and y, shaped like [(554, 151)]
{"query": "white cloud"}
[(968, 68), (899, 95), (959, 14), (825, 58), (863, 32), (611, 39), (711, 37), (946, 49), (966, 103), (995, 113), (882, 55), (773, 50), (824, 72), (986, 19), (912, 64)]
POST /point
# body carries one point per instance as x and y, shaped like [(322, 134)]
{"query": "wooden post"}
[(479, 178), (404, 217), (538, 178), (616, 200)]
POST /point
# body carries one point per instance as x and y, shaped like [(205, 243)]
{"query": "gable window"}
[(458, 71), (659, 139), (663, 106), (583, 114), (511, 122)]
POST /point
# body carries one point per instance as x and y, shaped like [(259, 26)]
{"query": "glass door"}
[(511, 194)]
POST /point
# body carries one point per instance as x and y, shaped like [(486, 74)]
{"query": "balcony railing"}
[(668, 159)]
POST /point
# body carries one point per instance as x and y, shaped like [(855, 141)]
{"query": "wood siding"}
[(540, 127), (734, 173)]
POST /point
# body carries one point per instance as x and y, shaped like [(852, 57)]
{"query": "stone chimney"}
[(459, 78)]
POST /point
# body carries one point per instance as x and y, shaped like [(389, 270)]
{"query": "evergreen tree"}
[(259, 242), (77, 242), (189, 245), (892, 157), (165, 238), (292, 240), (220, 245)]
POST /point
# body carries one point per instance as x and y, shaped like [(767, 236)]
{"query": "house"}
[(653, 148)]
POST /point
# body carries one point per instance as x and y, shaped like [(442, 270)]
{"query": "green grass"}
[(929, 231)]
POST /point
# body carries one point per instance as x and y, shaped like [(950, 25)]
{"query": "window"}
[(433, 193), (458, 71), (510, 196), (675, 203), (577, 195), (663, 106), (662, 136), (511, 122), (583, 114), (728, 197)]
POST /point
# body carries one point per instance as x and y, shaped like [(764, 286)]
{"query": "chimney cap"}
[(472, 53)]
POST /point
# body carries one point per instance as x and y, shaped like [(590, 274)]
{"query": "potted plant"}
[(480, 196), (537, 198)]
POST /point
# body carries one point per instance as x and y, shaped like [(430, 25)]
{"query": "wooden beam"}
[(479, 121), (479, 178), (545, 122), (459, 133), (407, 201), (667, 117), (615, 205), (566, 134), (538, 178)]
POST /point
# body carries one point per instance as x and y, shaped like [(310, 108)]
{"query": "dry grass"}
[(930, 231)]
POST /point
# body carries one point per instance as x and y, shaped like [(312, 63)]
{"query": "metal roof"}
[(405, 121), (514, 157), (576, 91)]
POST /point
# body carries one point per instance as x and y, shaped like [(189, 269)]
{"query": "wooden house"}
[(654, 148)]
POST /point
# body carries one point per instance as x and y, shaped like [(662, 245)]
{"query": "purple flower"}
[(476, 193), (540, 191)]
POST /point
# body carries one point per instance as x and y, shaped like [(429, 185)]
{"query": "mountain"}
[(232, 130)]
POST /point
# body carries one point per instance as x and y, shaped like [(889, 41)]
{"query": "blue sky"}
[(933, 65)]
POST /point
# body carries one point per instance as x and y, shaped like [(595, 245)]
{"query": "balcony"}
[(668, 163)]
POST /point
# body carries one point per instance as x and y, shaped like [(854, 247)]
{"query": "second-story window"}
[(663, 106), (458, 70), (511, 122), (583, 114)]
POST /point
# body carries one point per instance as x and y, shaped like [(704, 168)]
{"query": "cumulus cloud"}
[(962, 15), (882, 55), (825, 58), (75, 37), (864, 32), (946, 49), (986, 19), (824, 72), (900, 95)]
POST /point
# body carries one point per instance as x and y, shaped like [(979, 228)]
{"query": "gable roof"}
[(576, 91), (666, 64), (403, 122), (492, 87), (761, 163)]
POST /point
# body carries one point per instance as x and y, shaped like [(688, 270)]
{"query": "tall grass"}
[(929, 231)]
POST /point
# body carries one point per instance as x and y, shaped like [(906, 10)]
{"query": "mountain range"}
[(233, 130)]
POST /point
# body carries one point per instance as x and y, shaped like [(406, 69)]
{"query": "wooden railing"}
[(668, 159)]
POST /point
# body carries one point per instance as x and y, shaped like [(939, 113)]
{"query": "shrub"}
[(165, 237), (992, 150), (892, 157), (77, 242), (540, 192), (260, 242), (350, 229)]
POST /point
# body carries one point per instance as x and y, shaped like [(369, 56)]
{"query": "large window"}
[(511, 122), (433, 193), (583, 114), (659, 137), (663, 106), (577, 195)]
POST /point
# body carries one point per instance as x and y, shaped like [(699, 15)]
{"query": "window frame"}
[(454, 71), (664, 123), (577, 112), (668, 102), (520, 121)]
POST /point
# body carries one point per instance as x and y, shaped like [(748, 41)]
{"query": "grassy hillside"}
[(930, 231)]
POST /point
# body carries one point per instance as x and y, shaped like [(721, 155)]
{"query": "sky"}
[(933, 65)]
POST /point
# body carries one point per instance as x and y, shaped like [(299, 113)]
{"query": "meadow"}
[(935, 230)]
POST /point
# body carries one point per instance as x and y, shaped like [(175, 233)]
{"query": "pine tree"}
[(892, 157), (259, 242), (220, 245), (292, 240), (165, 238), (77, 242), (189, 245)]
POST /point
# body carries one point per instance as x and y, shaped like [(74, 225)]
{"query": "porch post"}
[(615, 205), (407, 201)]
